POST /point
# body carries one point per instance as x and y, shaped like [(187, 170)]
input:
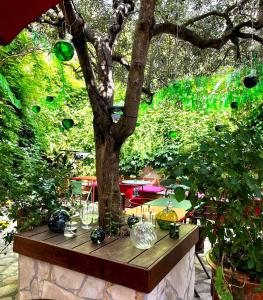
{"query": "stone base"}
[(41, 280)]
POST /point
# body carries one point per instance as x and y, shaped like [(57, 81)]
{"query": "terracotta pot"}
[(247, 290)]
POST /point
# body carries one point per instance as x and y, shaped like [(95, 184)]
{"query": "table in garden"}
[(185, 204), (154, 209), (115, 261)]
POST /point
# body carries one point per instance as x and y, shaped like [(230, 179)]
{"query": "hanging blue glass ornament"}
[(97, 236), (57, 220), (64, 50), (36, 109), (67, 123)]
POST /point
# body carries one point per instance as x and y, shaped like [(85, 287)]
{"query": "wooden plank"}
[(43, 236), (34, 231), (122, 250), (76, 241), (89, 247), (60, 238)]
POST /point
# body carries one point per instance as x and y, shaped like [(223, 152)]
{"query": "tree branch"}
[(231, 32), (126, 125), (123, 61), (76, 23), (204, 16), (121, 10)]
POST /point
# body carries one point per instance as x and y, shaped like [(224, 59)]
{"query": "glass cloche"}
[(143, 235)]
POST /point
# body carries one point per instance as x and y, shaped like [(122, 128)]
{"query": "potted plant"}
[(227, 171)]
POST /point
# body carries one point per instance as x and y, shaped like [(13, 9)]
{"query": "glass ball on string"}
[(36, 109), (172, 134), (234, 105), (64, 50), (250, 81), (67, 123), (50, 98)]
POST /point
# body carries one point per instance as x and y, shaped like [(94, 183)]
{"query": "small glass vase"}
[(70, 229), (143, 235)]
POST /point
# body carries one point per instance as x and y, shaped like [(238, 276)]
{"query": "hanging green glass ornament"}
[(172, 134), (250, 81), (36, 109), (219, 127), (234, 105), (138, 124), (61, 129), (50, 98), (64, 50), (179, 193), (67, 123)]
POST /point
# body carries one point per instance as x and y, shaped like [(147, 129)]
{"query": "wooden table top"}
[(115, 260)]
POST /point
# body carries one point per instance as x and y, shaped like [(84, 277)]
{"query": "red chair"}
[(137, 201)]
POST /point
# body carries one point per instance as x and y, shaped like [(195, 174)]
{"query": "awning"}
[(15, 15)]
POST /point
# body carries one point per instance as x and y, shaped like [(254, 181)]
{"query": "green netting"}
[(212, 93)]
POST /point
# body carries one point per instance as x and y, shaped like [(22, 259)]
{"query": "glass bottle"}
[(167, 216)]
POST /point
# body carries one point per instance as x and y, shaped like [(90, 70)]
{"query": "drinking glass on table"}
[(88, 214), (70, 229)]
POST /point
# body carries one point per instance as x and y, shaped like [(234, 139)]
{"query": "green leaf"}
[(6, 92)]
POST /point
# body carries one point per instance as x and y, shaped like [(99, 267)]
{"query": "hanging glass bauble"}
[(179, 193), (67, 123), (165, 217), (97, 236), (250, 81), (61, 129), (50, 98), (143, 235), (36, 109), (172, 134), (132, 220), (57, 220), (219, 127), (64, 50), (234, 105)]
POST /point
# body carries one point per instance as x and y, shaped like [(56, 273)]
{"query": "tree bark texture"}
[(107, 172)]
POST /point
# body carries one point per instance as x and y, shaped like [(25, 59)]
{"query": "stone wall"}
[(41, 280)]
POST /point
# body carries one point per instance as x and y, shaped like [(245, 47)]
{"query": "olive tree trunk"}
[(107, 172)]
